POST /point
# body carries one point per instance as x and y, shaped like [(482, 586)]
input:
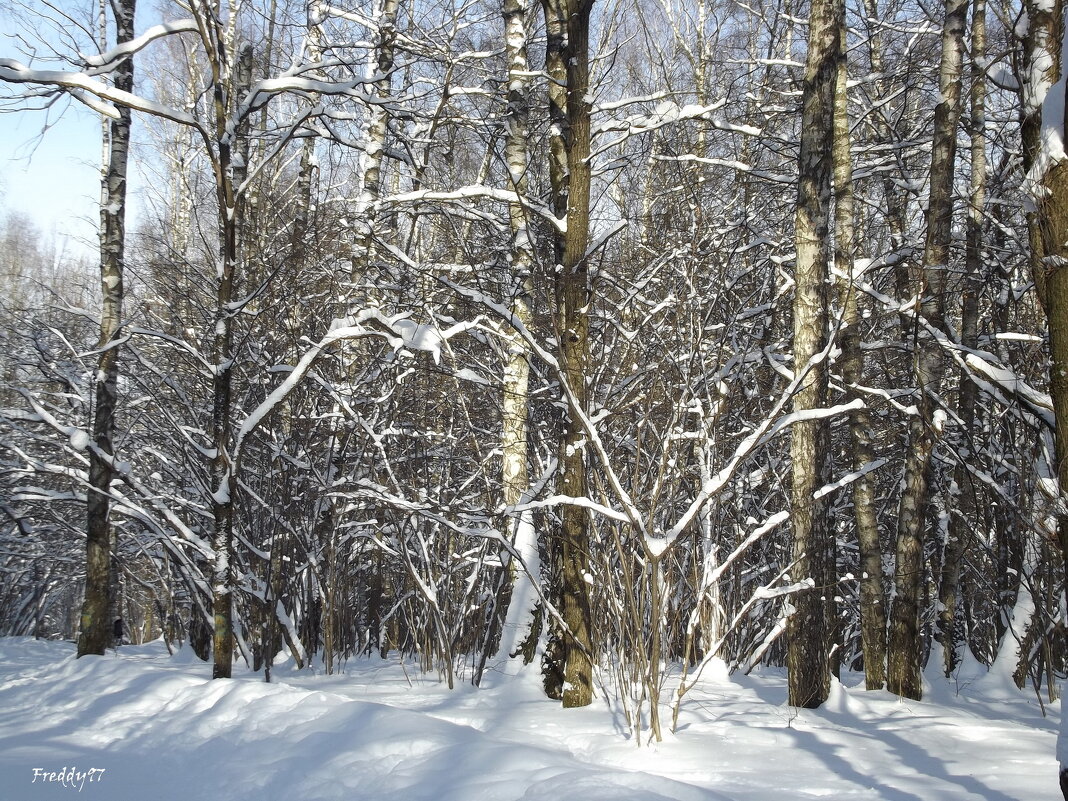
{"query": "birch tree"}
[(861, 424), (808, 627), (96, 610), (905, 643), (515, 478)]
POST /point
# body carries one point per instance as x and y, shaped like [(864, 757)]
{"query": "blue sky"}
[(54, 177)]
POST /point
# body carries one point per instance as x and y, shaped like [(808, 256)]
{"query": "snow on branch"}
[(656, 547), (585, 503), (666, 113), (110, 58), (757, 438), (475, 192), (399, 332), (980, 366), (732, 164), (80, 441), (96, 94)]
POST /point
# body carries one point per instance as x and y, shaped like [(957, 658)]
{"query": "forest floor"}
[(142, 724)]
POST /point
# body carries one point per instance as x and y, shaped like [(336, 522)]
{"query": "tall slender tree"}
[(567, 62), (514, 471), (960, 524), (96, 629), (808, 631), (905, 644), (861, 425)]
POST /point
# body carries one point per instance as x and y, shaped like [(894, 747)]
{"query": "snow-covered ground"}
[(161, 730)]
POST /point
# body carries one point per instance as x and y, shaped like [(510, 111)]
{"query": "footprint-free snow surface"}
[(144, 725)]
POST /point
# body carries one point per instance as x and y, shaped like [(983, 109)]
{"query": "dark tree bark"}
[(96, 622), (567, 24), (905, 644), (230, 165), (1040, 67), (960, 522), (1053, 220)]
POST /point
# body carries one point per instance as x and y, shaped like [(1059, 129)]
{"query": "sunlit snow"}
[(161, 730)]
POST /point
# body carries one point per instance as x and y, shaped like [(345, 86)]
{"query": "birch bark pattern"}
[(905, 644), (96, 628), (807, 629), (380, 70), (567, 24), (960, 523), (1040, 68), (515, 476), (861, 425)]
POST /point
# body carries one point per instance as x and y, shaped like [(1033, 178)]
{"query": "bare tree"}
[(905, 644), (808, 628), (861, 425), (567, 24), (96, 626)]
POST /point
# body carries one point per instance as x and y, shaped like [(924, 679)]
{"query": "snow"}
[(525, 594), (158, 728), (142, 41), (402, 334), (1038, 93)]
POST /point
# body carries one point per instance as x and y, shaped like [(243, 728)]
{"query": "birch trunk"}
[(960, 522), (515, 476), (861, 425), (905, 643), (1040, 68), (380, 72), (808, 637), (96, 623), (567, 24)]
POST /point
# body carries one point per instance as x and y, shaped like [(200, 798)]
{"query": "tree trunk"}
[(861, 425), (1053, 216), (1040, 68), (515, 477), (379, 67), (808, 637), (960, 521), (567, 24), (231, 170), (96, 623), (1052, 213), (905, 643)]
